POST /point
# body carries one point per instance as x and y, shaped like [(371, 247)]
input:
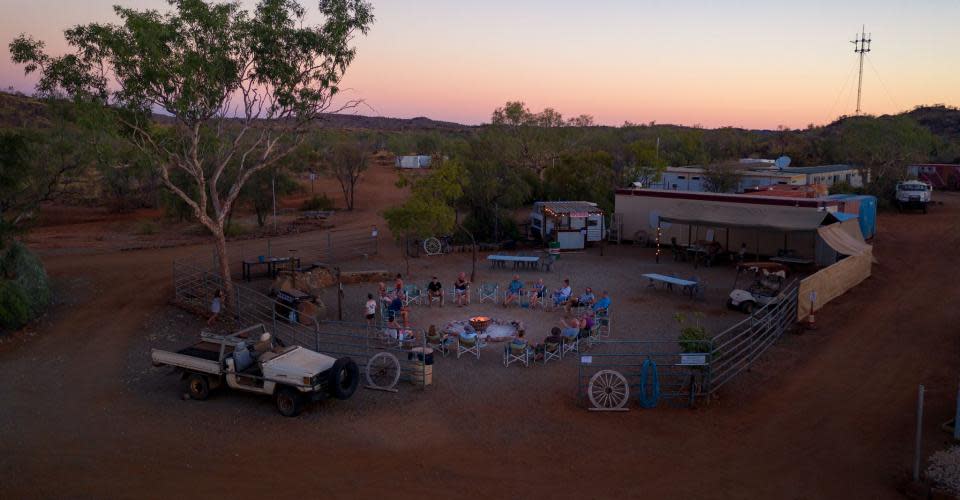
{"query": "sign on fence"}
[(586, 360), (693, 359)]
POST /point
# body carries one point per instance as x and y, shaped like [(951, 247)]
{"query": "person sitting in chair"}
[(536, 295), (555, 338), (434, 290), (585, 300), (461, 289), (514, 289), (562, 295), (602, 305)]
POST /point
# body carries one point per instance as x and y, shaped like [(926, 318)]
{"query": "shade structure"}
[(844, 237), (745, 216)]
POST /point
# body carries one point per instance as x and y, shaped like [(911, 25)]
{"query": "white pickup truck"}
[(913, 194), (251, 360)]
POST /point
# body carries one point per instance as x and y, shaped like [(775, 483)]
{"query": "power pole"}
[(861, 45)]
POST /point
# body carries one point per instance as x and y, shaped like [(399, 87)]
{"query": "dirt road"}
[(828, 414)]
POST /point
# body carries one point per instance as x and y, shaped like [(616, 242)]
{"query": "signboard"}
[(586, 360), (693, 359)]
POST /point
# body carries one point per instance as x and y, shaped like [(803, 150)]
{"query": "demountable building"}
[(572, 224), (415, 161)]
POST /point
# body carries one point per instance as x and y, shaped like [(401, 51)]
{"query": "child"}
[(370, 309), (215, 305)]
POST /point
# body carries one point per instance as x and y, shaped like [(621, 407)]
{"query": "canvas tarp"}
[(743, 215), (844, 237), (833, 281)]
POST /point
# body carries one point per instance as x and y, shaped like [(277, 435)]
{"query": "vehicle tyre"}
[(198, 387), (289, 401), (344, 378), (747, 307), (730, 304)]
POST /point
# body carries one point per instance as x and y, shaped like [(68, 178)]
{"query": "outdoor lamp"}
[(374, 232)]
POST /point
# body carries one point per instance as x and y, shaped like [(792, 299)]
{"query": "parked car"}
[(251, 360), (913, 195), (766, 288)]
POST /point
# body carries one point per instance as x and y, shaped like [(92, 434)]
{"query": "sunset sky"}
[(755, 64)]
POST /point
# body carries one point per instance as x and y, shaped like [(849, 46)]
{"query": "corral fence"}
[(616, 373), (326, 247), (383, 360)]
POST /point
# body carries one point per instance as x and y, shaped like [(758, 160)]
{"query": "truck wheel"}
[(289, 401), (747, 307), (344, 377), (198, 386)]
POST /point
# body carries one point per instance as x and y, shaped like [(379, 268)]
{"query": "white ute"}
[(250, 360), (913, 194)]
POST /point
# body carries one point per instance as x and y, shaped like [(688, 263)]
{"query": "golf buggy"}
[(768, 281)]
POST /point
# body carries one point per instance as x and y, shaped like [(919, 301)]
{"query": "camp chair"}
[(593, 336), (558, 300), (541, 302), (411, 295), (570, 344), (489, 292), (468, 344), (437, 341), (552, 351), (453, 293), (602, 321), (514, 353)]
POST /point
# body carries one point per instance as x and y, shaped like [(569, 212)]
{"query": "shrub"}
[(693, 337), (23, 268), (318, 202), (146, 228), (14, 309)]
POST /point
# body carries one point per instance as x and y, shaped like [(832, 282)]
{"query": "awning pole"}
[(758, 246), (658, 241)]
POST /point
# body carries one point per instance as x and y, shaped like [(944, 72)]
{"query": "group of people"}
[(397, 312)]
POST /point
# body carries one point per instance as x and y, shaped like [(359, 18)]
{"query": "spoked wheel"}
[(608, 390), (432, 246), (383, 371)]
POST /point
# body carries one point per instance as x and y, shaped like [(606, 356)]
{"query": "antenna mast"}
[(861, 45)]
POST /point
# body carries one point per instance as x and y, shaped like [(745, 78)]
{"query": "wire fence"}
[(680, 372), (194, 288)]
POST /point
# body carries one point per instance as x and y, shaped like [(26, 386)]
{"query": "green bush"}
[(318, 202), (693, 337), (23, 268), (14, 310)]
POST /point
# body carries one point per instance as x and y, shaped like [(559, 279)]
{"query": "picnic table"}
[(517, 260), (272, 264), (686, 285)]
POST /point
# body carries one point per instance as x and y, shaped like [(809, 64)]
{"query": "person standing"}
[(370, 309), (216, 304)]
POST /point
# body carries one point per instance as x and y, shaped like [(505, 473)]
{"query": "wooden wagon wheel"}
[(608, 390), (432, 246), (383, 371)]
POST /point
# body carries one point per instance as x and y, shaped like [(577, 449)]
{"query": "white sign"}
[(693, 359), (586, 360)]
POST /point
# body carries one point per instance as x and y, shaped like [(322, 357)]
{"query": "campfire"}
[(480, 323)]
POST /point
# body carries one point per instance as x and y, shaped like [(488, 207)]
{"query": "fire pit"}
[(480, 323)]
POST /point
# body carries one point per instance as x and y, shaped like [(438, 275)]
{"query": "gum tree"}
[(240, 88)]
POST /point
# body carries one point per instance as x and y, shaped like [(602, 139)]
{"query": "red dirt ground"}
[(828, 414)]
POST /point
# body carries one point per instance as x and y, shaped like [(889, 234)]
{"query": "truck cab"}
[(913, 194)]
